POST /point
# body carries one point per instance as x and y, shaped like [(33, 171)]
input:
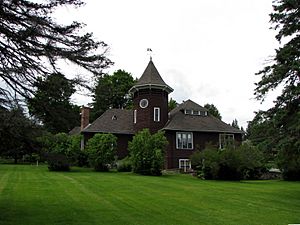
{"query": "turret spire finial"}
[(149, 50)]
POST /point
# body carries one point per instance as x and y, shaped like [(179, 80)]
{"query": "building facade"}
[(188, 127)]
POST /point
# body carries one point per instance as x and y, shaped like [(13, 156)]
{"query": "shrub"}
[(101, 151), (288, 161), (57, 147), (206, 163), (230, 165), (147, 152), (124, 165), (77, 156), (253, 161), (57, 162), (61, 150), (243, 162)]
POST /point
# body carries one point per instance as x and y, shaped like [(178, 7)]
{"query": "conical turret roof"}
[(151, 79)]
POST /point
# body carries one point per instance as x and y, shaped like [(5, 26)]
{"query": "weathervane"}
[(149, 50)]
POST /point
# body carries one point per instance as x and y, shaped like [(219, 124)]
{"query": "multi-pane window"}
[(184, 140), (156, 114), (226, 140), (195, 112), (185, 164)]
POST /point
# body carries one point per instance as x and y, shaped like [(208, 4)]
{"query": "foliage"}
[(17, 134), (282, 121), (124, 165), (32, 42), (61, 150), (51, 103), (147, 152), (212, 110), (243, 162), (57, 151), (253, 161), (172, 104), (206, 163), (101, 151), (235, 124), (261, 131), (112, 91)]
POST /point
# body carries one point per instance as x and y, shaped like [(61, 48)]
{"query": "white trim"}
[(144, 100), (154, 114), (186, 164), (134, 116), (186, 133)]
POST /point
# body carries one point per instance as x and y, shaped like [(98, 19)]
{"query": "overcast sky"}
[(207, 50)]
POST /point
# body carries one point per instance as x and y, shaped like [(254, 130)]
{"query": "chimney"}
[(85, 117)]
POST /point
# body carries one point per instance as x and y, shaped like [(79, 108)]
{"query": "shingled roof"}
[(151, 78), (180, 121), (75, 131), (117, 121)]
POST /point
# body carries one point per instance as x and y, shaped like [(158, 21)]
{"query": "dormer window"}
[(188, 111), (195, 112)]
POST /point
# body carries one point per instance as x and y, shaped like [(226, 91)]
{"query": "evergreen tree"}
[(31, 43), (235, 124), (212, 110), (172, 104), (17, 134), (51, 104), (283, 119)]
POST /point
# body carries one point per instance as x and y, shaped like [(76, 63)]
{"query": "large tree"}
[(51, 103), (213, 110), (283, 119), (112, 91), (32, 42), (17, 134)]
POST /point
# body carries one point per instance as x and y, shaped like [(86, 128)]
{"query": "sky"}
[(206, 50)]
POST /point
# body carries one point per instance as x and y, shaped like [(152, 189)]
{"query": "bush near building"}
[(147, 152), (231, 163)]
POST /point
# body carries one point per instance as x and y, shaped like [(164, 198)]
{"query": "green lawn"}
[(32, 195)]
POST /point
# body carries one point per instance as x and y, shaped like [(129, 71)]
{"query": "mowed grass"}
[(32, 195)]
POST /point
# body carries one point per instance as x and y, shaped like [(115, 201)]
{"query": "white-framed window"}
[(195, 112), (188, 111), (134, 116), (184, 140), (144, 103), (185, 164), (156, 114), (226, 140)]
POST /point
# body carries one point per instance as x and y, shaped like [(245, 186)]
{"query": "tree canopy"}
[(17, 134), (212, 110), (280, 125), (51, 103), (112, 91), (172, 104), (32, 42)]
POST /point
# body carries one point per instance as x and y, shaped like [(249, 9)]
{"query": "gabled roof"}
[(182, 122), (189, 104), (117, 121), (151, 79)]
